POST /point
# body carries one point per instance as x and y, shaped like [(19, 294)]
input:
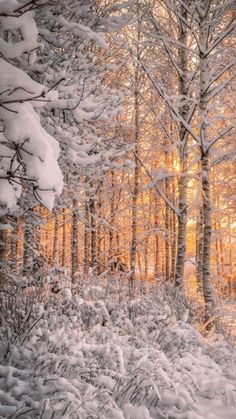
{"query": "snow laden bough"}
[(27, 152)]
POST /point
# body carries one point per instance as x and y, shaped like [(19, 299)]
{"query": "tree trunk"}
[(74, 240), (231, 241), (206, 260), (3, 255), (199, 249), (64, 221), (167, 242), (205, 172), (14, 245), (48, 241), (101, 241), (183, 136), (173, 244), (28, 255), (156, 241), (146, 257), (167, 222), (93, 226), (86, 239), (112, 219), (55, 239), (133, 247)]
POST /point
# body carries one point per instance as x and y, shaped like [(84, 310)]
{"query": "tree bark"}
[(167, 237), (86, 239), (112, 219), (14, 245), (74, 240), (93, 227), (205, 171), (173, 243), (183, 154), (3, 253), (133, 246), (55, 239), (199, 249), (156, 242), (64, 221), (206, 260), (28, 255)]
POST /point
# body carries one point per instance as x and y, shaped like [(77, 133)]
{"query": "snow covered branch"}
[(28, 153)]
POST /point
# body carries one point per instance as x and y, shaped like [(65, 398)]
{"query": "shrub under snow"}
[(104, 355)]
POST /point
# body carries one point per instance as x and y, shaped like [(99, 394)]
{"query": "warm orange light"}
[(176, 166)]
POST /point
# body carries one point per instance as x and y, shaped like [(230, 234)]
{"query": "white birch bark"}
[(167, 226), (112, 219), (156, 241), (205, 174), (133, 245), (182, 184), (93, 227), (86, 239), (199, 249)]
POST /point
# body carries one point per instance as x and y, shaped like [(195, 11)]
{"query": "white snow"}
[(7, 7), (27, 26), (124, 360), (79, 29), (66, 293), (27, 150)]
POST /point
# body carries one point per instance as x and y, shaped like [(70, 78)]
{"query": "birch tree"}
[(184, 92), (216, 27)]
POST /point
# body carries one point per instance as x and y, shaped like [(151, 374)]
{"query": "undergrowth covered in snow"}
[(101, 353)]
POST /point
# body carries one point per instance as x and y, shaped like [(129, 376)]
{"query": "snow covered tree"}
[(28, 153), (215, 35), (37, 41)]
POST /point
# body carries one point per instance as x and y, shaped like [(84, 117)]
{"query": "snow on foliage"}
[(38, 42), (83, 118), (27, 151), (104, 355)]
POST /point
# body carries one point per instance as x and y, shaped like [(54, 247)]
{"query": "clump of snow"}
[(7, 7), (66, 293), (28, 28), (135, 412)]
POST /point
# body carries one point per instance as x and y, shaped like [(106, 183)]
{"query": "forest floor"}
[(214, 409), (102, 353), (229, 320)]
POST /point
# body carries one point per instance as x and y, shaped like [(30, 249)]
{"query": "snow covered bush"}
[(97, 357)]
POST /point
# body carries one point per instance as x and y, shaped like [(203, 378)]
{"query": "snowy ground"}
[(228, 319), (105, 355), (215, 409)]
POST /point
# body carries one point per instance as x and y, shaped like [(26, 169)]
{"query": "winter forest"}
[(117, 209)]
